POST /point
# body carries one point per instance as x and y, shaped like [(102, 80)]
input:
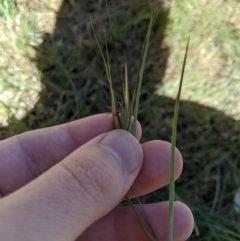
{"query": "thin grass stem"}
[(114, 46), (173, 146), (137, 90), (142, 221)]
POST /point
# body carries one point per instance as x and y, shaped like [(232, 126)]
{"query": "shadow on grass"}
[(72, 67), (75, 86)]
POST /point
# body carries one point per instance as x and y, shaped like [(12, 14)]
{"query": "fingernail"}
[(125, 148)]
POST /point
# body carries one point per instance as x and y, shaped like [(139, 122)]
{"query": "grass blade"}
[(108, 72), (173, 142), (142, 221), (114, 46), (137, 90), (126, 100)]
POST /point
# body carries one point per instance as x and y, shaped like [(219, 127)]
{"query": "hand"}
[(62, 183)]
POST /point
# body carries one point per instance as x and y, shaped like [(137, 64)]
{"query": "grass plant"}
[(127, 108), (125, 111)]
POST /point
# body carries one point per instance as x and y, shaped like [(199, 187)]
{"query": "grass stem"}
[(173, 146)]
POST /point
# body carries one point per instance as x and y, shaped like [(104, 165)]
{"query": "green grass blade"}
[(173, 142), (137, 89)]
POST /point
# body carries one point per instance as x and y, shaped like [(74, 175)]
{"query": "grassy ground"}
[(213, 63), (51, 72), (18, 75)]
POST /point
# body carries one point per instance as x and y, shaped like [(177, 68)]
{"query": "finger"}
[(26, 156), (75, 193), (123, 225), (155, 172)]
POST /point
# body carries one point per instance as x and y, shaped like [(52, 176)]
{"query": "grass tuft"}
[(125, 111)]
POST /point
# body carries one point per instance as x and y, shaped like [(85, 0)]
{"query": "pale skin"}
[(64, 183)]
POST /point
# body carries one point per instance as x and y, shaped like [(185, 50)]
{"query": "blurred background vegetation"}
[(51, 72)]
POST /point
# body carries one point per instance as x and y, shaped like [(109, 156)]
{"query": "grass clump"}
[(127, 108)]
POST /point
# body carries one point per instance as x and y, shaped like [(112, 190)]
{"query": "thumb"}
[(68, 198)]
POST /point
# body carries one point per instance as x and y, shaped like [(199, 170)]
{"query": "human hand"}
[(62, 183)]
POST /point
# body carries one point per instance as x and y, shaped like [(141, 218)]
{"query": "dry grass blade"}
[(126, 101), (173, 142), (114, 46), (142, 221), (108, 72)]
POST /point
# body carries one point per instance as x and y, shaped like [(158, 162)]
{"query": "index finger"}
[(26, 156)]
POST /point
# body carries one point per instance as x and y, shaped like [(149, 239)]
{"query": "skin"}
[(62, 183)]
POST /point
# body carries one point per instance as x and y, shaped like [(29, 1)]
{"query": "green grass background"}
[(51, 72)]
